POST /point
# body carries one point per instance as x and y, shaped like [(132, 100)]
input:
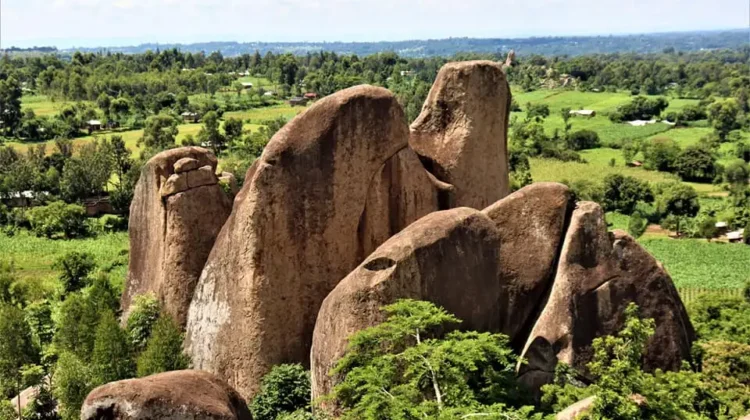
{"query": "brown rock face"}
[(531, 223), (173, 224), (598, 275), (311, 209), (462, 130), (186, 394), (449, 258)]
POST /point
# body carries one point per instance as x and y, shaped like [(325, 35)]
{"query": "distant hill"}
[(565, 45)]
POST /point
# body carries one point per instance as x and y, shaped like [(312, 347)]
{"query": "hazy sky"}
[(66, 23)]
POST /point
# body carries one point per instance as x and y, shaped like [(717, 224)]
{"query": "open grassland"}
[(257, 115), (42, 105), (33, 257), (557, 171), (700, 264)]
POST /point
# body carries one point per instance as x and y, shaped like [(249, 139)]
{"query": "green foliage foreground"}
[(410, 367)]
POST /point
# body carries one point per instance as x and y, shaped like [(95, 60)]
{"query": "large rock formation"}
[(529, 266), (598, 275), (186, 394), (177, 212), (449, 258), (462, 130), (531, 223), (313, 206)]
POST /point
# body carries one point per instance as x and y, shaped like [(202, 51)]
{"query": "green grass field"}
[(33, 257), (700, 264), (42, 105)]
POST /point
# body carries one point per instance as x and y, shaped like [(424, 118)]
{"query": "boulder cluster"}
[(349, 209)]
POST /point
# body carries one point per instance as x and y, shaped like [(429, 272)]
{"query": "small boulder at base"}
[(330, 185), (185, 394), (598, 276), (447, 257), (461, 134), (174, 220)]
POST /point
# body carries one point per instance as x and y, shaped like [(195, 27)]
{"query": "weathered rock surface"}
[(173, 224), (186, 164), (309, 212), (462, 131), (448, 257), (187, 394), (531, 223), (598, 275)]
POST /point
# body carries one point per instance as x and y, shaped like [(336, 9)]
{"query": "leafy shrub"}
[(637, 225), (39, 318), (164, 349), (285, 389), (58, 220), (76, 326), (144, 313), (721, 318), (620, 385), (677, 199), (726, 366), (583, 139), (640, 108), (74, 269)]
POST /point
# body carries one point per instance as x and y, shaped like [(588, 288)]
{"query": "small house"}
[(190, 117), (297, 101), (269, 93), (311, 96), (247, 85), (406, 73), (736, 236), (93, 125), (641, 123), (588, 113), (635, 164)]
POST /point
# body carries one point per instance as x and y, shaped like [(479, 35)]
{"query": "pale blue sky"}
[(66, 23)]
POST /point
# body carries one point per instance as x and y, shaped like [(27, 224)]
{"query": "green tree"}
[(112, 359), (71, 383), (401, 370), (285, 389), (622, 193), (677, 199), (660, 154), (209, 133), (88, 174), (696, 163), (43, 406), (74, 268), (144, 312), (723, 116), (233, 130), (582, 139), (159, 133), (736, 174), (104, 102), (10, 104), (565, 114), (76, 326), (164, 349), (16, 348), (706, 227)]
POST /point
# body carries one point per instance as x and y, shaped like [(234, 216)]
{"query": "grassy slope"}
[(33, 257)]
